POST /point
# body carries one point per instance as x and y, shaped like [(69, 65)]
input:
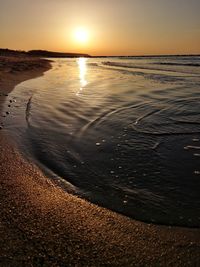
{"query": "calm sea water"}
[(121, 132)]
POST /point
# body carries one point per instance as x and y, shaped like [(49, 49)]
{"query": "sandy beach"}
[(41, 225)]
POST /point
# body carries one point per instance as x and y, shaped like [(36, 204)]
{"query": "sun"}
[(81, 35)]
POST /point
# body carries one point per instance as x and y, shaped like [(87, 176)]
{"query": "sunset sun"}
[(81, 35)]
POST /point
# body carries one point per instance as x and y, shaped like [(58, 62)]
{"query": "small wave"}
[(131, 65), (146, 115), (125, 65), (153, 67), (178, 64), (192, 147), (28, 108), (92, 64), (135, 70), (118, 64), (163, 133), (108, 113), (185, 122)]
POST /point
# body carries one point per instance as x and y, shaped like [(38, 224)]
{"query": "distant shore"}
[(53, 54), (41, 225)]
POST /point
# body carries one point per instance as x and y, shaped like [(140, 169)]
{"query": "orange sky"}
[(115, 27)]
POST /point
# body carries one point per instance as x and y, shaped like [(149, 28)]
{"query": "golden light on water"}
[(82, 64)]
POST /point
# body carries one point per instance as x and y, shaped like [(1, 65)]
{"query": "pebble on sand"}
[(98, 144)]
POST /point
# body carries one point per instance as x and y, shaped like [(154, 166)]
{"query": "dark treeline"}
[(39, 53), (43, 53), (9, 52)]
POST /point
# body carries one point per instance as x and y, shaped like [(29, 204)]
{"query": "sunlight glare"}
[(82, 73), (81, 35)]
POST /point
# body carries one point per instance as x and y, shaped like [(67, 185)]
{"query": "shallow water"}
[(121, 132)]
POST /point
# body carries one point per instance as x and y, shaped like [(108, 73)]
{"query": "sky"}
[(114, 27)]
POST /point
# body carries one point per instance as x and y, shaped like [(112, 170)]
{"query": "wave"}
[(92, 64), (178, 64), (123, 65), (161, 77), (108, 113), (148, 67), (164, 133)]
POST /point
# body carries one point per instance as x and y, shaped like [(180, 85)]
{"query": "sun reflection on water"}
[(82, 74)]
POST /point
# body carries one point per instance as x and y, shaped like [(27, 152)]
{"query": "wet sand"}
[(41, 225)]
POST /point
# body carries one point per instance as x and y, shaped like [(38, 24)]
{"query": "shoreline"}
[(41, 225)]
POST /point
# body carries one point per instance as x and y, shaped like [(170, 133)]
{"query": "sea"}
[(120, 132)]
